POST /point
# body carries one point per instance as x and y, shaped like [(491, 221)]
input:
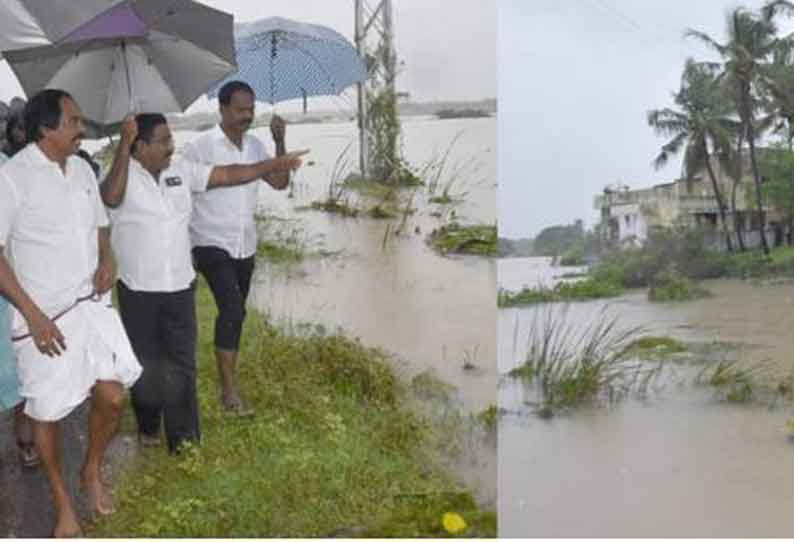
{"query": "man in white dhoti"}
[(56, 270)]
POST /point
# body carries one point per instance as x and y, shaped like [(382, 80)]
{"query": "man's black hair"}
[(43, 111), (12, 146), (147, 122), (227, 90)]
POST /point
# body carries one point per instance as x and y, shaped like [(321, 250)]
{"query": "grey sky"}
[(576, 79), (449, 46)]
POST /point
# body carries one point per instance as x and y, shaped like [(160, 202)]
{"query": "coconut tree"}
[(752, 41), (700, 125)]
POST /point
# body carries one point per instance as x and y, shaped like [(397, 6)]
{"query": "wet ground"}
[(26, 509)]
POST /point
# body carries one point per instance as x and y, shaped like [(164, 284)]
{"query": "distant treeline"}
[(571, 244), (515, 248)]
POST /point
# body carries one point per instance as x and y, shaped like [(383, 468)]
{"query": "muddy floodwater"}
[(680, 462)]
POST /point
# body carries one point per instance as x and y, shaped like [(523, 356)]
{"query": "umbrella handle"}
[(127, 74)]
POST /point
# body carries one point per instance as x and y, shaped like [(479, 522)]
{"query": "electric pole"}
[(377, 103)]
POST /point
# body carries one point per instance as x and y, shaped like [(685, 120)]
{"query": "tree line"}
[(721, 107)]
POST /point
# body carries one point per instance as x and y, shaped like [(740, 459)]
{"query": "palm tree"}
[(752, 40), (699, 126)]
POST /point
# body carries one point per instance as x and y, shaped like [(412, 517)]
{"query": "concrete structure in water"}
[(628, 215)]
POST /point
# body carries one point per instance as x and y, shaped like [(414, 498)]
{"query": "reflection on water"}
[(682, 464)]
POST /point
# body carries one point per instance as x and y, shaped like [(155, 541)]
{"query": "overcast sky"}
[(576, 79), (449, 46)]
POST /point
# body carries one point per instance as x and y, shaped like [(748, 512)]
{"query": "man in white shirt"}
[(55, 263), (151, 203), (223, 229)]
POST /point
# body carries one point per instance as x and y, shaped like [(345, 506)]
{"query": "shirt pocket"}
[(178, 198)]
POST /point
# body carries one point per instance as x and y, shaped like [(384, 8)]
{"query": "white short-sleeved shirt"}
[(150, 235), (48, 225), (224, 217)]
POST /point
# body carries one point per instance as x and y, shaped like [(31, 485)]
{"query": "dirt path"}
[(25, 505)]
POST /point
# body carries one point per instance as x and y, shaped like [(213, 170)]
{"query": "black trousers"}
[(230, 280), (161, 327)]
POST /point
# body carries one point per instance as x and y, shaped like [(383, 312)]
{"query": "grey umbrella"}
[(32, 23), (144, 55)]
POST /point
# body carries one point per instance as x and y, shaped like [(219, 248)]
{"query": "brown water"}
[(680, 464), (394, 292)]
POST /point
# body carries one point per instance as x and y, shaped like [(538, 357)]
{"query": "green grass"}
[(332, 450), (454, 238), (335, 206), (572, 366), (672, 286), (279, 253), (736, 384), (656, 345), (583, 290), (754, 264)]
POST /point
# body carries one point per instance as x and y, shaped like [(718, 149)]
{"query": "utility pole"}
[(377, 102)]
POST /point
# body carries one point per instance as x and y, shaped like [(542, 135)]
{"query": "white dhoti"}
[(97, 348)]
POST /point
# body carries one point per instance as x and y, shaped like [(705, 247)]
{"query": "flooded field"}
[(679, 461)]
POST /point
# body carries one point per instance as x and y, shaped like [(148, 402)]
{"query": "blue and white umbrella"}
[(283, 59)]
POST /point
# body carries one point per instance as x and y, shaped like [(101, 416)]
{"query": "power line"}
[(629, 23)]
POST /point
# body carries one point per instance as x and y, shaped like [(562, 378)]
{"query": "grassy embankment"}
[(333, 450)]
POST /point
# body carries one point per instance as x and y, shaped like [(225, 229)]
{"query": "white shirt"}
[(224, 217), (48, 225), (150, 235)]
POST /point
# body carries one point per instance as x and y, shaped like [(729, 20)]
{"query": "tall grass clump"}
[(735, 384), (573, 365)]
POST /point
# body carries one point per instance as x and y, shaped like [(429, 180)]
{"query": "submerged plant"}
[(457, 239), (571, 366), (736, 383)]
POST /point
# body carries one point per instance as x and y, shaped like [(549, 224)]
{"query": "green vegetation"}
[(655, 346), (556, 240), (670, 285), (570, 368), (777, 169), (332, 451), (444, 114), (489, 418), (574, 256), (582, 290), (454, 238), (278, 253), (681, 248), (734, 383)]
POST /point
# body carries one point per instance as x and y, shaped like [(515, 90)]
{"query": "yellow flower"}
[(453, 523)]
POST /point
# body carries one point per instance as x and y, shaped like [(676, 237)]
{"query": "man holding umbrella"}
[(150, 201), (223, 229)]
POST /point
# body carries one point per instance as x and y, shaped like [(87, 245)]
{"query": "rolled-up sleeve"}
[(197, 174)]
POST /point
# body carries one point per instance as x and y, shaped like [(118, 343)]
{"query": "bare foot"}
[(67, 526), (234, 405), (99, 499)]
